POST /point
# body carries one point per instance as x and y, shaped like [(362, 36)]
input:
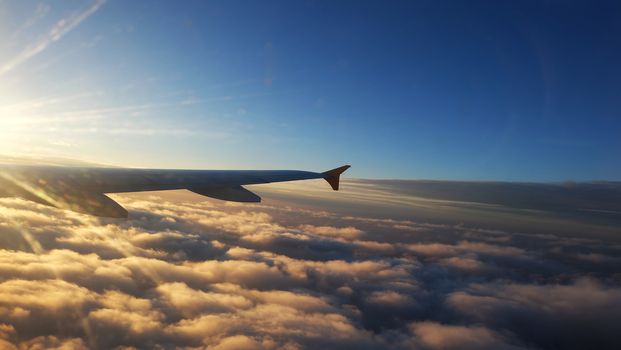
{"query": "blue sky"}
[(477, 90)]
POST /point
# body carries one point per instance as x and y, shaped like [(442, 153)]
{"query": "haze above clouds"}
[(377, 265)]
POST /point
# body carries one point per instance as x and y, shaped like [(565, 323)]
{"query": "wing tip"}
[(333, 176)]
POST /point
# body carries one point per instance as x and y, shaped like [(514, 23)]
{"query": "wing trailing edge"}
[(60, 193), (97, 204), (333, 176)]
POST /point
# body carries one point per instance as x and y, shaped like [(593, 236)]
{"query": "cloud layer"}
[(194, 273)]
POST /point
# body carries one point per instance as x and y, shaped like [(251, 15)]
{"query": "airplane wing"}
[(83, 189)]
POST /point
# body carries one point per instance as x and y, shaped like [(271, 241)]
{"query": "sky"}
[(477, 90)]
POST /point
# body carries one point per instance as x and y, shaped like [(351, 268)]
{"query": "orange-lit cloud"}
[(187, 272)]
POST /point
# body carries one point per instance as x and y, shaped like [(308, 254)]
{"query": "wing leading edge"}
[(83, 189)]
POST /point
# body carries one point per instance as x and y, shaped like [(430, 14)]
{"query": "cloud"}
[(468, 264), (585, 313), (187, 272), (338, 232), (432, 335), (389, 299)]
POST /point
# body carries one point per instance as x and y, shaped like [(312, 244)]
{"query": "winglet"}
[(332, 176)]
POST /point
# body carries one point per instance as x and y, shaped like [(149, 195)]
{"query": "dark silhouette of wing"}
[(83, 189)]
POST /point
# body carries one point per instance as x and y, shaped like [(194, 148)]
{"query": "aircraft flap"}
[(97, 204), (233, 194)]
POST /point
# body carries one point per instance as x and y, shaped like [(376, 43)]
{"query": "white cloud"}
[(206, 274)]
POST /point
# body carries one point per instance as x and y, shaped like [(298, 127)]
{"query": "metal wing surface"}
[(83, 189)]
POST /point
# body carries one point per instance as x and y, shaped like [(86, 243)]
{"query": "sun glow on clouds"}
[(187, 272)]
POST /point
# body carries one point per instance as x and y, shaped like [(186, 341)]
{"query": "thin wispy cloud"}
[(57, 32)]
